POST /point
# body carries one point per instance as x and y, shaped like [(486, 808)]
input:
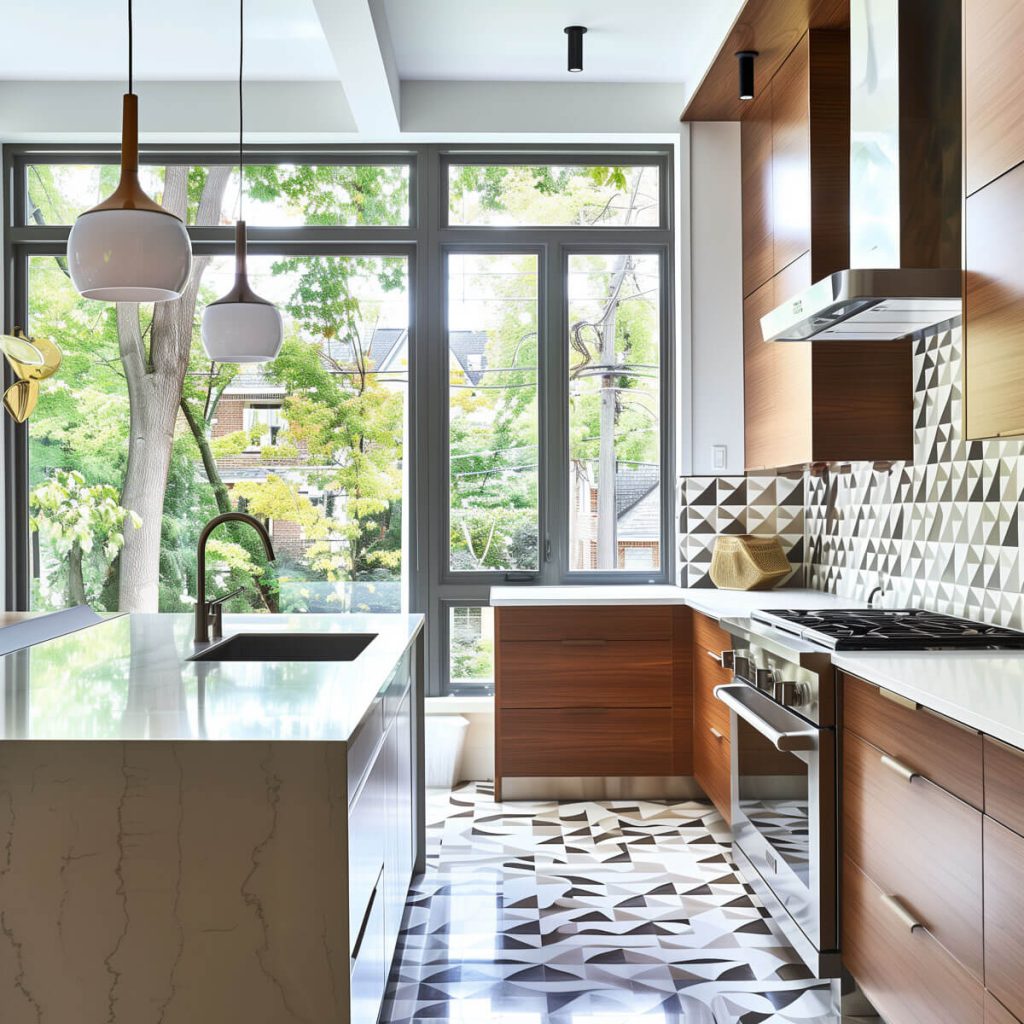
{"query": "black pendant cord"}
[(131, 48), (241, 65)]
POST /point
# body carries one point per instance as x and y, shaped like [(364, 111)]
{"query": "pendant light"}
[(129, 248), (241, 327)]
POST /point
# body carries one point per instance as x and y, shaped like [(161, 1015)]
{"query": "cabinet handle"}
[(898, 698), (905, 773), (366, 920), (901, 912), (584, 643), (714, 732)]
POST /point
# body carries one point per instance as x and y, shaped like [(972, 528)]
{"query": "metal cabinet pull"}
[(905, 773), (716, 658), (898, 698), (714, 732), (893, 903)]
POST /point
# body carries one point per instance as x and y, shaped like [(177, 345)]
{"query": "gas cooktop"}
[(890, 629)]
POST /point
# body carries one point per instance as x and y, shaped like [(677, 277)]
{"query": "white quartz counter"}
[(719, 604), (130, 678), (984, 689)]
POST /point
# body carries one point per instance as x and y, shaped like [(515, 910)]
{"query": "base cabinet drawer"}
[(1004, 784), (585, 742), (947, 754), (585, 622), (370, 960), (996, 1013), (711, 765), (915, 839), (586, 673), (1004, 915), (905, 973)]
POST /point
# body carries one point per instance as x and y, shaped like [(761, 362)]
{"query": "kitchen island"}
[(207, 840)]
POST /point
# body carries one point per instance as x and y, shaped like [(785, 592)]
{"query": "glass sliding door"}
[(493, 454), (613, 304)]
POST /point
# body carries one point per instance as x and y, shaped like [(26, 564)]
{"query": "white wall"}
[(716, 298)]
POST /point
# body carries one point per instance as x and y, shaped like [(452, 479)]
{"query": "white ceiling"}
[(523, 40), (377, 69), (182, 40)]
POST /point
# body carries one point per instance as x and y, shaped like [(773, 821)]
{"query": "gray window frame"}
[(425, 241)]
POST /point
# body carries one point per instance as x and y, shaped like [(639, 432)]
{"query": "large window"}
[(472, 390)]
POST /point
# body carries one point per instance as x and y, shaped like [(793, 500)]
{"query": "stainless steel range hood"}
[(905, 190)]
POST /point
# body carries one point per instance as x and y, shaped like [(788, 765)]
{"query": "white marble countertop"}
[(719, 604), (130, 678), (981, 689)]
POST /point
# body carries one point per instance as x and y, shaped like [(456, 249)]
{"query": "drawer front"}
[(941, 751), (1004, 915), (590, 622), (996, 1013), (906, 974), (709, 636), (712, 765), (604, 741), (915, 840), (709, 640), (585, 673), (1004, 784)]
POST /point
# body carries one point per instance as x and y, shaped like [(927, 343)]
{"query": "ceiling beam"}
[(360, 42)]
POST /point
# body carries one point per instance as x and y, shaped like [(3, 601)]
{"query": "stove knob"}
[(764, 679), (789, 695)]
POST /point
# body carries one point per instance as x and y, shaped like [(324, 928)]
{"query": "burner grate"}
[(892, 629)]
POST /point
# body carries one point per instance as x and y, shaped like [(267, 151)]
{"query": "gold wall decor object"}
[(746, 562), (31, 360)]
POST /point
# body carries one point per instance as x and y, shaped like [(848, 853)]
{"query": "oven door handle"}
[(795, 739)]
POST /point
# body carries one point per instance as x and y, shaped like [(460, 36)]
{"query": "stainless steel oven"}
[(784, 785)]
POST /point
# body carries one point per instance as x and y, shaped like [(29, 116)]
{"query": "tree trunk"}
[(76, 578), (154, 395), (607, 523)]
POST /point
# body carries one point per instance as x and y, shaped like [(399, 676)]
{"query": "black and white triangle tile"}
[(590, 913), (941, 531)]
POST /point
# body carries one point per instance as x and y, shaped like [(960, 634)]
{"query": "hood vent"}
[(905, 187)]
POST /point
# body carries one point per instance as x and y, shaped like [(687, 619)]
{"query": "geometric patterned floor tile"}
[(589, 912)]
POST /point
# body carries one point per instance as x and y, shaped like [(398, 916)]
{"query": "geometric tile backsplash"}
[(941, 532), (767, 505)]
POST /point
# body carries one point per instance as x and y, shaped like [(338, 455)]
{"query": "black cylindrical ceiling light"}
[(746, 63), (575, 34)]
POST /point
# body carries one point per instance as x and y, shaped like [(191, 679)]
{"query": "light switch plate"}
[(719, 456)]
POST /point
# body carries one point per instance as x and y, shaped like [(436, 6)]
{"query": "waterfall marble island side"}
[(192, 841)]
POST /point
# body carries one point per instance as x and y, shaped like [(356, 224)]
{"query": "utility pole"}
[(607, 540)]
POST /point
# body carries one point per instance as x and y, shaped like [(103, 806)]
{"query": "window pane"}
[(614, 412), (336, 195), (471, 650), (546, 195), (492, 411), (312, 444)]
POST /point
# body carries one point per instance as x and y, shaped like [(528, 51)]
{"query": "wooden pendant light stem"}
[(129, 194)]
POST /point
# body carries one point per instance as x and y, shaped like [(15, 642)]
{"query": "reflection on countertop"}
[(981, 689), (130, 678)]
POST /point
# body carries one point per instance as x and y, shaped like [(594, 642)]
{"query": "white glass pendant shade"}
[(129, 248), (242, 327)]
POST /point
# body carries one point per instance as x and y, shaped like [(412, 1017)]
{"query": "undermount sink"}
[(287, 647)]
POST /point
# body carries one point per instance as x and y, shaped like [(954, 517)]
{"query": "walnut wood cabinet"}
[(933, 869), (592, 691), (711, 739), (993, 218), (804, 403)]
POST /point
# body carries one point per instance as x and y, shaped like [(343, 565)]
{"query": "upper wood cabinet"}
[(756, 163), (993, 218), (831, 402), (993, 90)]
